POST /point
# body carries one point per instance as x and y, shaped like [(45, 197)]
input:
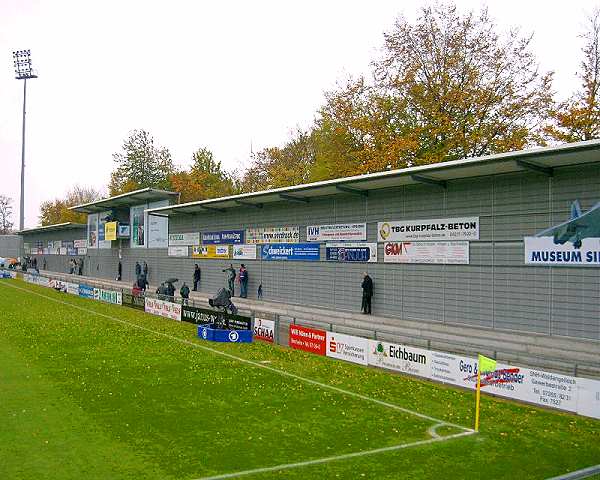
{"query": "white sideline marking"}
[(256, 364), (317, 461)]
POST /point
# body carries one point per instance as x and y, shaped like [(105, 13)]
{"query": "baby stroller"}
[(222, 301)]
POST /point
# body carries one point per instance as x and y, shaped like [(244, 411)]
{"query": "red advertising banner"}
[(308, 339)]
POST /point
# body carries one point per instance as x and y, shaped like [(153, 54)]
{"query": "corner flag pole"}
[(487, 365)]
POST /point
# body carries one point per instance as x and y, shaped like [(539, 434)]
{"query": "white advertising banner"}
[(342, 231), (177, 251), (163, 308), (184, 239), (108, 296), (264, 329), (347, 347), (464, 228), (543, 251), (158, 227), (82, 251), (82, 243), (273, 235), (73, 288), (400, 358), (244, 252), (449, 253)]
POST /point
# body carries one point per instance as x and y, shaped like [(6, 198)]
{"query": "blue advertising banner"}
[(224, 237), (291, 251), (351, 252), (86, 291)]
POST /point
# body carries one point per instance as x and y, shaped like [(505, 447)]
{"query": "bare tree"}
[(5, 215)]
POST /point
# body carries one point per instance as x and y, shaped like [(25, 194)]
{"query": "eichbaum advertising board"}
[(463, 228), (244, 252), (342, 231), (177, 251), (351, 252), (400, 358), (210, 251), (543, 251), (264, 329), (449, 253), (163, 308), (108, 296), (347, 347), (184, 239), (308, 339), (291, 251), (273, 235)]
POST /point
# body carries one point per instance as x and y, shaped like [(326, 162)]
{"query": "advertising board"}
[(308, 339), (110, 231), (133, 301), (199, 315), (342, 231), (291, 251), (347, 347), (81, 243), (544, 251), (448, 253), (400, 358), (163, 308), (273, 235), (223, 237), (244, 252), (463, 228), (184, 239), (108, 296), (73, 288), (210, 251), (351, 252), (137, 219), (177, 251), (86, 291), (92, 231), (264, 329)]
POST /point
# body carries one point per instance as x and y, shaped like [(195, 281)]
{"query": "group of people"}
[(75, 266), (141, 278), (242, 279)]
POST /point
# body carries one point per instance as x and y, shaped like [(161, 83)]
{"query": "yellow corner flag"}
[(485, 365)]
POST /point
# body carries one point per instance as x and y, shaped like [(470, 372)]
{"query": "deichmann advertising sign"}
[(291, 251), (202, 316), (341, 231), (175, 251), (224, 237), (244, 252), (163, 308), (449, 253), (183, 239), (543, 251), (464, 228), (308, 339), (210, 251), (108, 296), (273, 235), (351, 252), (264, 329), (347, 347), (133, 301), (400, 358)]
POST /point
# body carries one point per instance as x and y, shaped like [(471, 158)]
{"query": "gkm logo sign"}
[(385, 230), (504, 376), (396, 248)]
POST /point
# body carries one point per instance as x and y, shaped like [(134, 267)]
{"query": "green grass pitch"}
[(96, 391)]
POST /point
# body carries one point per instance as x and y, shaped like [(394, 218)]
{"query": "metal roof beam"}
[(429, 181), (248, 204), (355, 191), (212, 209), (548, 171), (292, 198)]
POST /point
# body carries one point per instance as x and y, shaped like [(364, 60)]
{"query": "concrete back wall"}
[(495, 290)]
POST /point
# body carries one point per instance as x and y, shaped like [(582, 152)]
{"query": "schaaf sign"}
[(351, 252), (203, 316)]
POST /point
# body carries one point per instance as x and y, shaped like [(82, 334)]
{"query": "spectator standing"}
[(145, 269), (367, 287), (119, 271), (243, 278), (185, 293), (44, 264), (138, 270), (230, 279), (196, 277)]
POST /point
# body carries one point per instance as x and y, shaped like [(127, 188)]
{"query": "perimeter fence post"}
[(277, 326)]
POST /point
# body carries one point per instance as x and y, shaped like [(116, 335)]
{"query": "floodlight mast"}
[(23, 71)]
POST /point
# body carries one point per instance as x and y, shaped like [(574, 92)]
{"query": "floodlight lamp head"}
[(22, 62)]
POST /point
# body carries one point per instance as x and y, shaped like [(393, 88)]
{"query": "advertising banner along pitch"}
[(308, 339), (210, 251), (273, 235), (342, 231), (291, 251), (449, 253), (351, 252), (464, 228), (163, 308), (221, 319), (264, 329)]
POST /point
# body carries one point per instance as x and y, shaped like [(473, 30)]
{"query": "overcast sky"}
[(214, 74)]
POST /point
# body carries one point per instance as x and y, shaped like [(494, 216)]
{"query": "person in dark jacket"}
[(367, 288), (243, 278), (138, 269), (185, 293), (196, 277), (119, 271), (230, 279), (145, 269)]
